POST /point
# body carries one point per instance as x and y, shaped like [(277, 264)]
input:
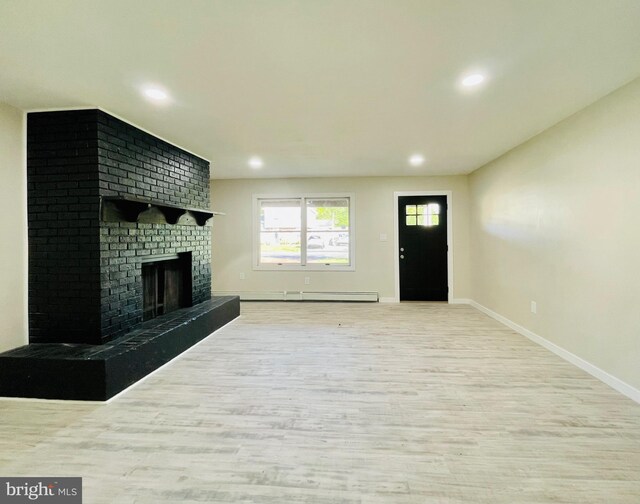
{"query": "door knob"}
[(401, 257), (401, 249)]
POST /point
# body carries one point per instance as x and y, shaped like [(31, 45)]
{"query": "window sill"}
[(310, 267)]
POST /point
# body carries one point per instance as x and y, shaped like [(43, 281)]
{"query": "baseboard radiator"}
[(364, 297)]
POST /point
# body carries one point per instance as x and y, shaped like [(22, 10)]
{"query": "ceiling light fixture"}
[(156, 94), (416, 160), (255, 162), (473, 80)]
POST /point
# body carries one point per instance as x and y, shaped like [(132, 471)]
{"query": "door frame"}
[(396, 238)]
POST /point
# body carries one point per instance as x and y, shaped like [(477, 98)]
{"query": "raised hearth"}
[(98, 372)]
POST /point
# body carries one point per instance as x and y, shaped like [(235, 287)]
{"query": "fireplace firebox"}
[(166, 285)]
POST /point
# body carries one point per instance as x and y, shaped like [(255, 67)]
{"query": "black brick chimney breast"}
[(118, 233), (85, 283)]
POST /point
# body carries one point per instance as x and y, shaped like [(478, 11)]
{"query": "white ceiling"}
[(323, 87)]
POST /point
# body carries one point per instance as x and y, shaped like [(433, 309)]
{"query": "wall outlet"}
[(242, 277), (534, 307), (307, 280)]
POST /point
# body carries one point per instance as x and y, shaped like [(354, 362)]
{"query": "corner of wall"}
[(13, 206)]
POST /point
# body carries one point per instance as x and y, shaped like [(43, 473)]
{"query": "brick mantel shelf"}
[(128, 209)]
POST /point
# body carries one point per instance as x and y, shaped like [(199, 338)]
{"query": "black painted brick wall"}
[(73, 158), (64, 236), (136, 163)]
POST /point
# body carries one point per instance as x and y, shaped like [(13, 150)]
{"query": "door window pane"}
[(431, 215)]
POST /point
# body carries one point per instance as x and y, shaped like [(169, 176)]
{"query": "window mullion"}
[(303, 232)]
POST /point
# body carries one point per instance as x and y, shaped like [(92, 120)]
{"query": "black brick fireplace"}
[(119, 246)]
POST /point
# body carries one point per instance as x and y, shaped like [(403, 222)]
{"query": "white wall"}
[(557, 221), (233, 240), (13, 230)]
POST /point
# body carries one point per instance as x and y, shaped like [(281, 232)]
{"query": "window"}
[(423, 215), (312, 232), (280, 228)]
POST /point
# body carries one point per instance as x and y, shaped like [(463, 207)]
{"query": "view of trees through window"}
[(323, 223)]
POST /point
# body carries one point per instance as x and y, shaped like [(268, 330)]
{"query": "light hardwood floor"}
[(329, 403)]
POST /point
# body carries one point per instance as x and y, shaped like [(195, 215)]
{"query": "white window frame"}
[(303, 242)]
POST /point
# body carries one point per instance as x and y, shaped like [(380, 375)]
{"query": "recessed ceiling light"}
[(473, 80), (416, 160), (156, 94), (255, 162)]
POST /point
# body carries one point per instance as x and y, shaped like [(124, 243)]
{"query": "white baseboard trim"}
[(253, 296), (396, 300), (615, 383), (460, 301), (453, 301)]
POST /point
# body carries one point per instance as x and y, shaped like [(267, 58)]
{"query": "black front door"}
[(422, 224)]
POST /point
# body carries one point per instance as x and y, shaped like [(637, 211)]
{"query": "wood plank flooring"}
[(329, 403)]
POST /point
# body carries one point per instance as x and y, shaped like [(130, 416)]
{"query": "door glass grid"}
[(422, 215)]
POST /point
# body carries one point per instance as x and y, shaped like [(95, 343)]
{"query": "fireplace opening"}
[(166, 284)]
